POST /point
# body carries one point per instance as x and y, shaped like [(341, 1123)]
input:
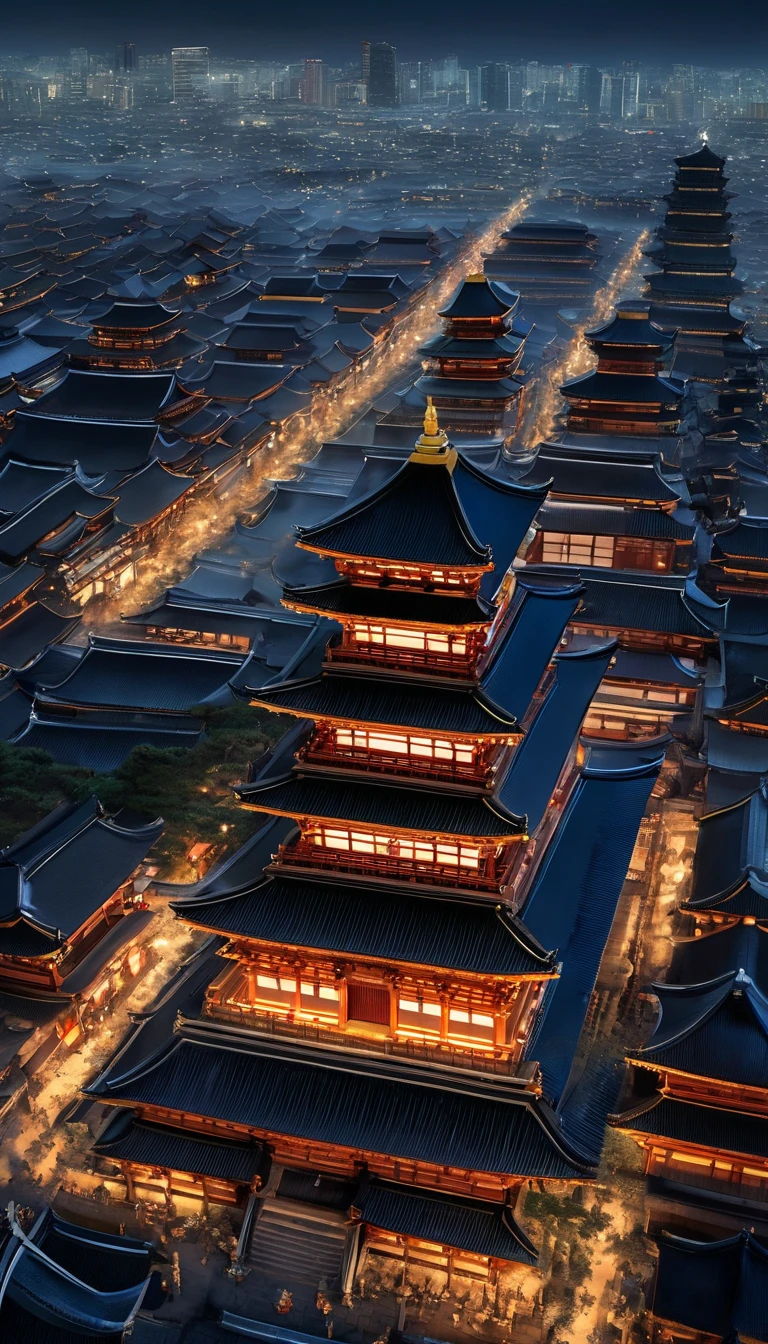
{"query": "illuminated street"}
[(207, 520), (31, 1133), (577, 357)]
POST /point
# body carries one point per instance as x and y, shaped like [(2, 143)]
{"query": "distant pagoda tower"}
[(472, 370), (626, 393), (692, 291)]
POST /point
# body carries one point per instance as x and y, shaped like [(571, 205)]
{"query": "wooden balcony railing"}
[(406, 660), (498, 1060), (610, 727), (307, 855), (388, 763)]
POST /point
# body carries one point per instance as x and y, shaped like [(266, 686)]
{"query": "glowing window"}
[(426, 1009)]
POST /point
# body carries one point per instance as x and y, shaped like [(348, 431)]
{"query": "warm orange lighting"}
[(389, 846)]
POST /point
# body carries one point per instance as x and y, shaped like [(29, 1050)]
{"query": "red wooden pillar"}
[(250, 972), (445, 1016), (394, 995)]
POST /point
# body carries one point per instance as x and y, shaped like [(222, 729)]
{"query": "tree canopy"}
[(190, 789)]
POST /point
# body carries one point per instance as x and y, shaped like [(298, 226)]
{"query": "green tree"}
[(192, 790)]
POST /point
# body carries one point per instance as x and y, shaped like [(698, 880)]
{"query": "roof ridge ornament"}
[(433, 444)]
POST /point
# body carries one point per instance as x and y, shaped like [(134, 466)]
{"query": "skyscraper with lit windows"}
[(190, 73), (313, 84)]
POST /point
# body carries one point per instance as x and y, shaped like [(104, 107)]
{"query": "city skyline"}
[(193, 76)]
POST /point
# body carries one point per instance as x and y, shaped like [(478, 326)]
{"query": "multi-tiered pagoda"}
[(616, 509), (612, 492), (693, 289), (626, 393), (472, 370), (386, 1029)]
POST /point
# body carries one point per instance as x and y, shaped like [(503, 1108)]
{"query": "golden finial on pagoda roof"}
[(433, 445), (476, 278)]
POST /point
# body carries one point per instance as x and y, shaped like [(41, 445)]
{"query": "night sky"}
[(714, 32)]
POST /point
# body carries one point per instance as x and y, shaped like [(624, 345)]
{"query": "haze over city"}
[(694, 30)]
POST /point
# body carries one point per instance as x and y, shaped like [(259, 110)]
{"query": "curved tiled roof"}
[(394, 805), (370, 699), (403, 924), (415, 517), (377, 1103)]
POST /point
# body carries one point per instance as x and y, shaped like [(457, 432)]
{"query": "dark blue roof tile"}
[(450, 1220), (402, 924), (574, 896), (374, 1103), (719, 1288)]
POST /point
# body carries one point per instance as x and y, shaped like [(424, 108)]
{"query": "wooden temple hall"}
[(383, 1026), (73, 932), (695, 1099)]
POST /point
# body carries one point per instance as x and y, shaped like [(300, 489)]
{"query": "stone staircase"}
[(298, 1243)]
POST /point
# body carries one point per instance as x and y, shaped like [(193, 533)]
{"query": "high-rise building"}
[(680, 93), (612, 97), (445, 73), (410, 83), (313, 83), (515, 87), (78, 72), (153, 79), (590, 88), (474, 81), (124, 94), (295, 80), (494, 86), (571, 79), (125, 57), (190, 73), (550, 97), (227, 87), (532, 77), (631, 106), (382, 74), (348, 92)]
